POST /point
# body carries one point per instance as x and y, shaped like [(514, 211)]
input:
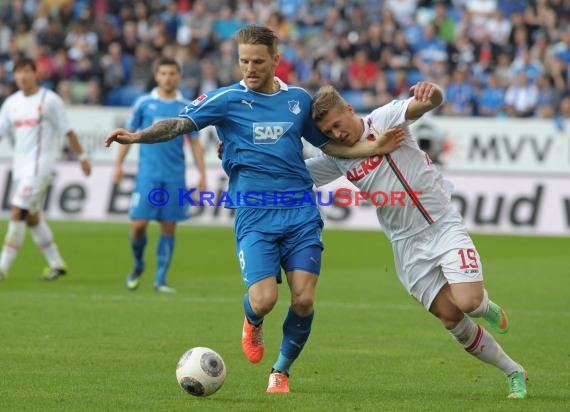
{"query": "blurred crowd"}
[(493, 57)]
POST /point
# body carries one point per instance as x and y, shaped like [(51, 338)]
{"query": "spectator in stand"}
[(481, 35), (141, 69), (561, 58), (521, 98), (80, 40), (499, 28), (460, 94), (443, 22), (491, 99), (142, 17), (523, 63), (362, 72), (199, 21), (116, 67), (546, 105), (225, 25)]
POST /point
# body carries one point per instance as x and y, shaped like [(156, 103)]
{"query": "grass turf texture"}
[(84, 343)]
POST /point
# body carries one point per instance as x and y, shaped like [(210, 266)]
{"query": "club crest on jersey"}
[(269, 132), (197, 101), (294, 106)]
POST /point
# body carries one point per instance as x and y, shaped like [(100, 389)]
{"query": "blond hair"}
[(258, 35), (326, 99)]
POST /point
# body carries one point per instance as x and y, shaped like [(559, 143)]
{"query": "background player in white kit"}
[(435, 258), (35, 118)]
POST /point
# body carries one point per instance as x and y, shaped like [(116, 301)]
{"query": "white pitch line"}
[(130, 296)]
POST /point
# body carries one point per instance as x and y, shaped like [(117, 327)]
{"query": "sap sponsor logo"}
[(294, 106), (197, 101), (269, 132)]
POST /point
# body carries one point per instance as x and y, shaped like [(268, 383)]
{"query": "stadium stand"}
[(485, 53)]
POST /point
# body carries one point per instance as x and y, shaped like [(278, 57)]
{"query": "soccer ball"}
[(201, 371)]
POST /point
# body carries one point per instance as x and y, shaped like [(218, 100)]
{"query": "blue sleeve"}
[(313, 135), (134, 121), (208, 109)]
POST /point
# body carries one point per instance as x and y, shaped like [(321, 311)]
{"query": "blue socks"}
[(137, 247), (249, 313), (296, 330), (164, 251)]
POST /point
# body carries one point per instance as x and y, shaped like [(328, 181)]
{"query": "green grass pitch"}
[(84, 343)]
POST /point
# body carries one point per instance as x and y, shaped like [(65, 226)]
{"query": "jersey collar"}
[(154, 94), (282, 85)]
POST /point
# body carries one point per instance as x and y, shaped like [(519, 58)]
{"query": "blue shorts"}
[(158, 200), (268, 239)]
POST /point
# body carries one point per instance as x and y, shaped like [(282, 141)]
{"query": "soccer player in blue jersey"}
[(260, 121), (161, 167)]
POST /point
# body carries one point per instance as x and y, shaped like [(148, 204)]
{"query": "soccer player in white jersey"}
[(35, 118), (435, 258)]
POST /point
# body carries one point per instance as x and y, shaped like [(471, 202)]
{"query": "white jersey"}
[(391, 179), (36, 123)]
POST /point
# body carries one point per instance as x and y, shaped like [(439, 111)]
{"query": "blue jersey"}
[(165, 161), (261, 134)]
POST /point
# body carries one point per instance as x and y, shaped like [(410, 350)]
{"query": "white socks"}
[(12, 243), (43, 237), (482, 309), (481, 344)]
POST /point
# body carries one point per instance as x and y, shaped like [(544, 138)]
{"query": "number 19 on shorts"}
[(468, 259)]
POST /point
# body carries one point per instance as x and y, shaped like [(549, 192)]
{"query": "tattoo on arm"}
[(167, 130)]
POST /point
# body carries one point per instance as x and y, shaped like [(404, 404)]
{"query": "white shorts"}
[(442, 253), (29, 192)]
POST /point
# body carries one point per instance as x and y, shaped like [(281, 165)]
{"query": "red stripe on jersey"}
[(408, 188), (40, 109)]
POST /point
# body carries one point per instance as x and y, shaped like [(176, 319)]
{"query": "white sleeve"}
[(392, 114), (56, 113), (323, 169), (5, 129)]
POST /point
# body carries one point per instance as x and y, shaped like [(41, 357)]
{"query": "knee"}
[(303, 304), (138, 229), (262, 302), (450, 322), (470, 303), (449, 314)]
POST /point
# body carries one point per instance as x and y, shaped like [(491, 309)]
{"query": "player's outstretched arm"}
[(81, 153), (427, 96), (198, 154), (159, 132), (386, 142), (121, 155)]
